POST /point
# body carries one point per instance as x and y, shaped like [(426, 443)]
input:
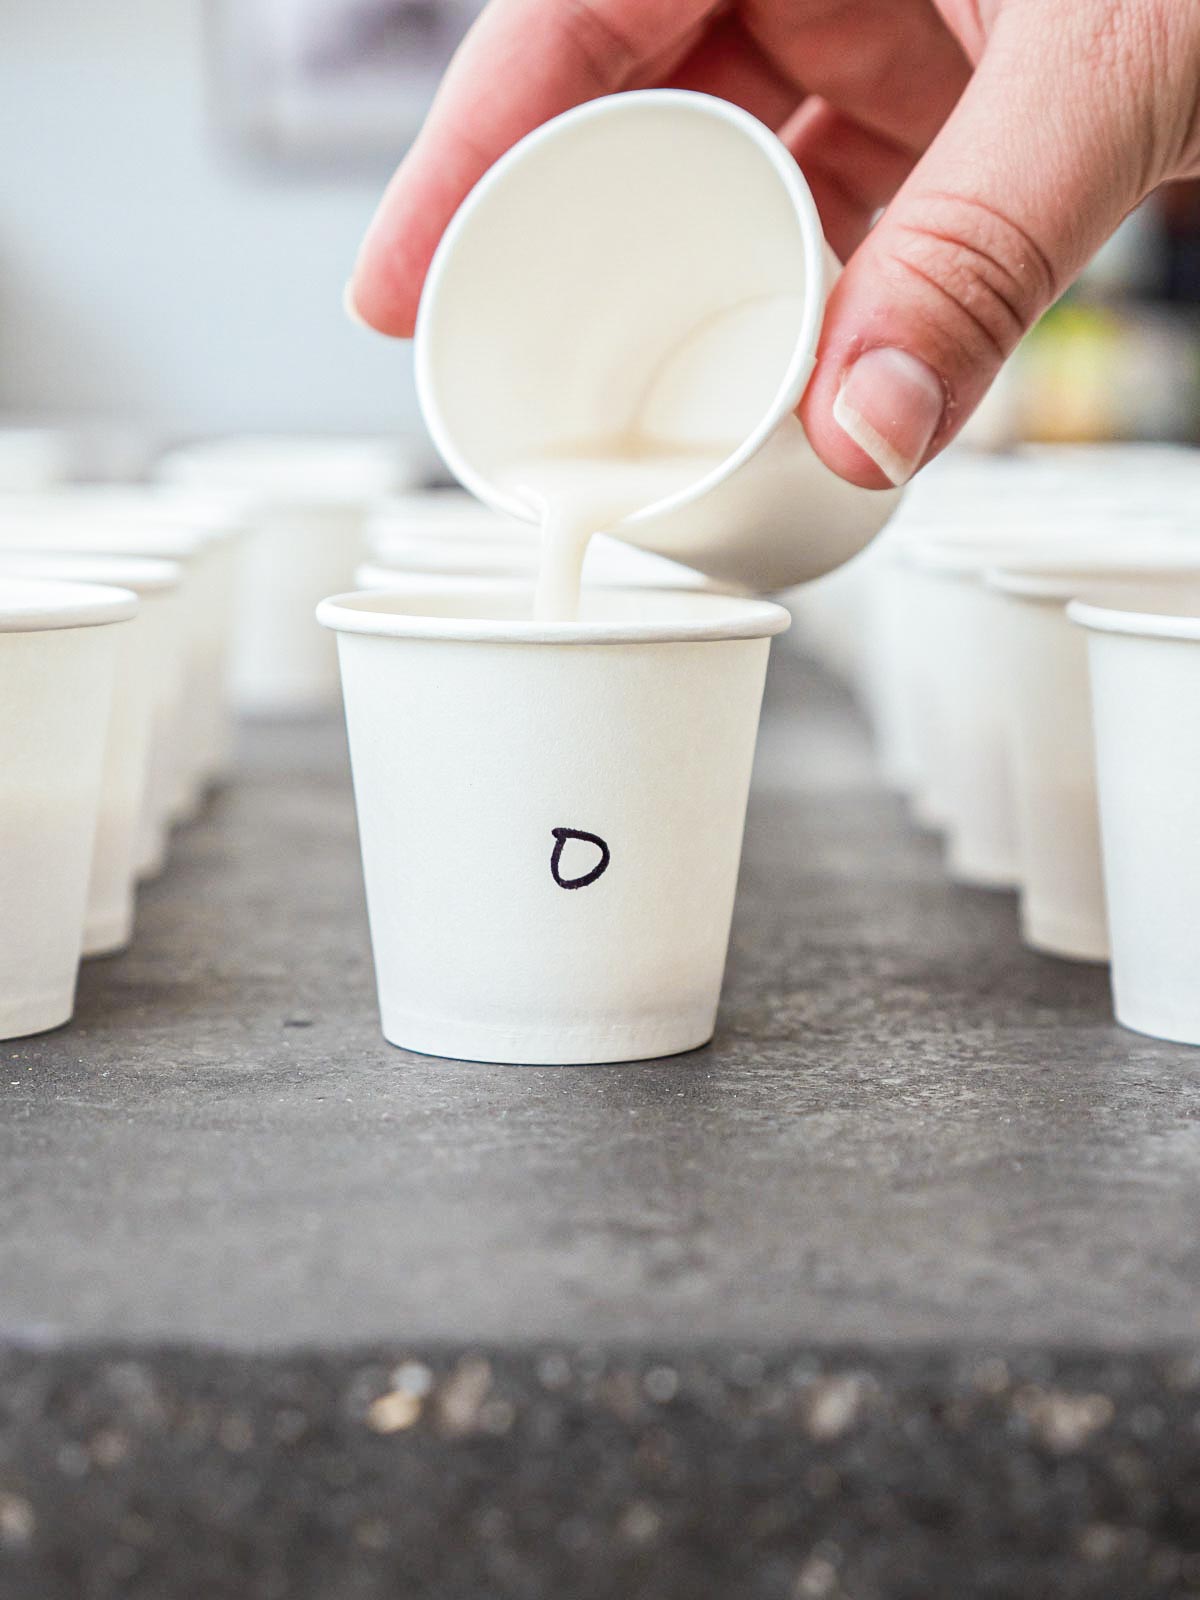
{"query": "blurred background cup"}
[(305, 505), (568, 308), (144, 524), (1145, 676), (58, 653), (566, 895), (1042, 660), (965, 758), (145, 652)]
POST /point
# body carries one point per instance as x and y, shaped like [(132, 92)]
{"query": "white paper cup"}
[(567, 304), (1145, 674), (306, 502), (193, 713), (551, 814), (1043, 660), (964, 755), (58, 650), (890, 672), (36, 458), (147, 651), (442, 515)]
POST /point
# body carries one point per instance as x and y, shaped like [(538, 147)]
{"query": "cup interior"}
[(595, 283), (1150, 617), (34, 605), (504, 612)]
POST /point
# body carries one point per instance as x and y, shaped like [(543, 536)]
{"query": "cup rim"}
[(717, 617), (39, 605), (260, 469), (1063, 580), (1079, 554), (87, 536), (203, 516), (1134, 624), (140, 574), (800, 363)]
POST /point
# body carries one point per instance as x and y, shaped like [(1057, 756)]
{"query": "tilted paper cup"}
[(145, 653), (1043, 658), (551, 814), (57, 658), (1145, 674), (646, 265)]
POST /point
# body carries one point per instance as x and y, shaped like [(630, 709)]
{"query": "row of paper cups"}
[(327, 516), (1026, 640), (114, 623)]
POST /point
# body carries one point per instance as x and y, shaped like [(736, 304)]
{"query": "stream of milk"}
[(580, 493), (706, 396)]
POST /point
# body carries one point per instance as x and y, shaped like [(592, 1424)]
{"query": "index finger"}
[(523, 62)]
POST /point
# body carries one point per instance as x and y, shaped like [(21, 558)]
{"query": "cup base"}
[(35, 1014), (152, 862), (1172, 1028), (974, 872), (107, 934), (548, 1047), (926, 812), (1065, 939)]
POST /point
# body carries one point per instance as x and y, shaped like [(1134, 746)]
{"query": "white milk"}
[(580, 493), (707, 395)]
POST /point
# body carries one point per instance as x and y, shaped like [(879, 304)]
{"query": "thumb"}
[(1043, 155)]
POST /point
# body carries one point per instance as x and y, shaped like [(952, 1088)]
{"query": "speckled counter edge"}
[(597, 1472)]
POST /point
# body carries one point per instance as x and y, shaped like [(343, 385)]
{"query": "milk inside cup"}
[(614, 335), (58, 646), (565, 895), (1145, 677)]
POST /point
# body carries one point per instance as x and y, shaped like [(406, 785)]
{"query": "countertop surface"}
[(907, 1128), (890, 1292)]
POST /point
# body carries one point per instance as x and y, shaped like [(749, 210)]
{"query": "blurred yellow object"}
[(1070, 365)]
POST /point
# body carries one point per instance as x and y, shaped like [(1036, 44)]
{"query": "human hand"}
[(1007, 139)]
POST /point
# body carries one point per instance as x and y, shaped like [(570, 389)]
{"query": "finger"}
[(728, 63), (851, 171), (892, 66), (523, 62), (1032, 172)]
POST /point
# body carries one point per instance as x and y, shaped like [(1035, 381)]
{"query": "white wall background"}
[(145, 273)]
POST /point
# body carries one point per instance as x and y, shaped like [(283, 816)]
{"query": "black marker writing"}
[(561, 835)]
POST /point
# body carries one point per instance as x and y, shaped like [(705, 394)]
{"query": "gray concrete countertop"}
[(919, 1168)]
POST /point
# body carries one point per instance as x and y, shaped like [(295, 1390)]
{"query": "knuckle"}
[(985, 269), (608, 54)]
